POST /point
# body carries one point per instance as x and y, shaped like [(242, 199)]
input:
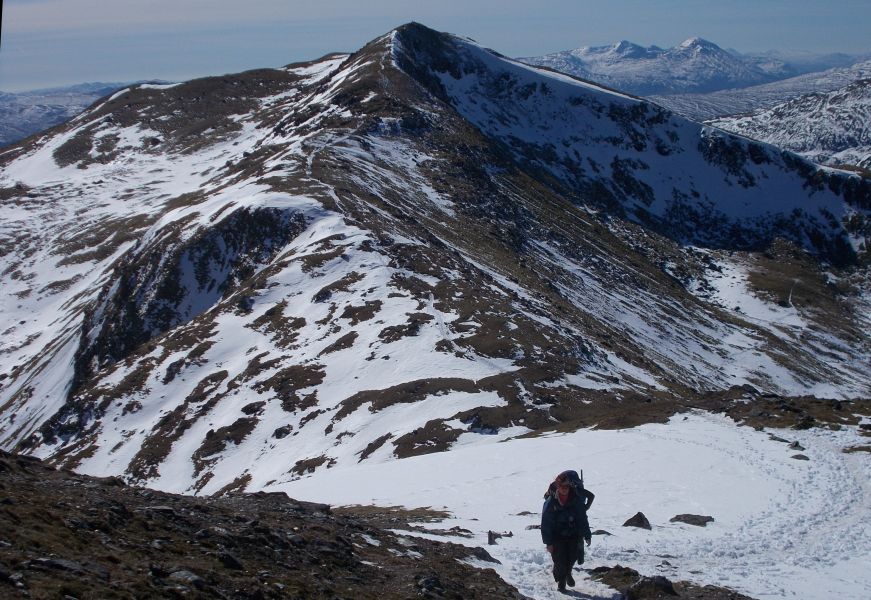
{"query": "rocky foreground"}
[(66, 535)]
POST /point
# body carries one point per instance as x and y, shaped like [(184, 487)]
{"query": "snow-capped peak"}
[(697, 42)]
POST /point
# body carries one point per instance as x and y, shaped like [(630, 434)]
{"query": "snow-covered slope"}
[(702, 107), (238, 281), (832, 128), (694, 66), (782, 528), (241, 282), (25, 113)]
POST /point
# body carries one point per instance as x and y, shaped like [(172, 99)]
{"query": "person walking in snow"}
[(564, 523)]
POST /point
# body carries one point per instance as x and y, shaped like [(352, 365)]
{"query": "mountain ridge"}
[(694, 66), (828, 128), (378, 255)]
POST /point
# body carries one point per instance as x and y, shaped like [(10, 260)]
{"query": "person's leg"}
[(572, 548), (561, 566)]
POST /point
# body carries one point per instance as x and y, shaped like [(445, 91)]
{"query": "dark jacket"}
[(560, 522)]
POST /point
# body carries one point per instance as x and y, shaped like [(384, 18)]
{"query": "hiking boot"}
[(570, 581), (561, 586)]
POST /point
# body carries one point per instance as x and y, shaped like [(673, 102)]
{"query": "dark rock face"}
[(638, 520), (66, 535), (697, 520)]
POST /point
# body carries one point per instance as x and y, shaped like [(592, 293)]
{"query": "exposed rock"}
[(650, 587), (697, 520), (229, 561), (187, 577), (492, 536), (799, 457), (263, 545), (806, 422), (638, 520), (796, 446), (482, 554), (633, 585), (602, 532)]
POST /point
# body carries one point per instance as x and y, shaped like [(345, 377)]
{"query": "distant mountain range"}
[(830, 128), (695, 66), (739, 101), (25, 113), (817, 106)]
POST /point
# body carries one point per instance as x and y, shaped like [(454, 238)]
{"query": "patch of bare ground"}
[(306, 466), (68, 535), (403, 393), (789, 276), (286, 384), (156, 447), (343, 343), (373, 446), (797, 412), (634, 586), (358, 314), (532, 401), (56, 287), (100, 240), (410, 328), (394, 517), (284, 330), (342, 285), (434, 436), (324, 253), (216, 441)]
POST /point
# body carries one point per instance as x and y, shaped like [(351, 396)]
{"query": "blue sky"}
[(59, 42)]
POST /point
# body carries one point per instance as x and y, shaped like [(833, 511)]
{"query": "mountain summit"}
[(237, 281), (693, 66)]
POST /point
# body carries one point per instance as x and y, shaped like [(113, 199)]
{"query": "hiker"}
[(564, 523)]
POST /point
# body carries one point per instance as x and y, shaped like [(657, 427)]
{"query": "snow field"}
[(784, 528)]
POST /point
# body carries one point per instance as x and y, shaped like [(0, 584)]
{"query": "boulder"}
[(638, 520), (187, 577), (697, 520)]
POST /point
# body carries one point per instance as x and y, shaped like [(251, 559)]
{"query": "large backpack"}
[(574, 479)]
